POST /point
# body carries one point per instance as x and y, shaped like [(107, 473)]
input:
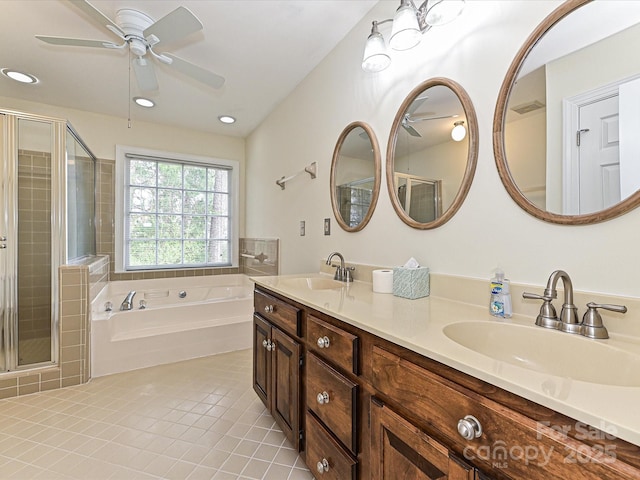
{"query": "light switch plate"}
[(327, 226), (302, 228)]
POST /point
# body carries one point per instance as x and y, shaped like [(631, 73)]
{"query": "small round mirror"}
[(355, 176), (432, 153)]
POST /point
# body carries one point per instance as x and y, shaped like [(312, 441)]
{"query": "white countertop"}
[(418, 325)]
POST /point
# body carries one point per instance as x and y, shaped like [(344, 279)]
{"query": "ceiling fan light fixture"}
[(144, 102), (458, 132), (228, 119), (19, 76)]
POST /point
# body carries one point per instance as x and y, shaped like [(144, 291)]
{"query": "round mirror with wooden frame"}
[(355, 176), (432, 153), (565, 129)]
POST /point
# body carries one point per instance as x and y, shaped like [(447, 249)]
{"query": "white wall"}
[(489, 229), (101, 133)]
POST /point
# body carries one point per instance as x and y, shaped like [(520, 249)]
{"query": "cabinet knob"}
[(269, 309), (271, 346), (469, 427), (323, 398), (323, 342), (323, 466), (265, 343)]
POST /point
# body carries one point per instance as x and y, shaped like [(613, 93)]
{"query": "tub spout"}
[(127, 303)]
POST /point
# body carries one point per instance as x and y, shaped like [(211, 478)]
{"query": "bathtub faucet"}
[(127, 304)]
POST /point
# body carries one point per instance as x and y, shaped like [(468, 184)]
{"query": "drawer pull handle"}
[(269, 309), (469, 427), (323, 466), (323, 342), (323, 398)]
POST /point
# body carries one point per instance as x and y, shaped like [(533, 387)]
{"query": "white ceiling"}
[(263, 48)]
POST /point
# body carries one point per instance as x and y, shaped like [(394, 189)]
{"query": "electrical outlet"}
[(302, 228), (327, 226)]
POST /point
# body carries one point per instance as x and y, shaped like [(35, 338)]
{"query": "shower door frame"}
[(9, 229)]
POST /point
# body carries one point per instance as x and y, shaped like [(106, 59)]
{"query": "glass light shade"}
[(405, 32), (375, 57), (19, 76), (458, 132), (443, 12)]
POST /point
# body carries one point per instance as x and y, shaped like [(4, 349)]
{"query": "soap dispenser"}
[(496, 301)]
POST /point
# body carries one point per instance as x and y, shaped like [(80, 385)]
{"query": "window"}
[(178, 211)]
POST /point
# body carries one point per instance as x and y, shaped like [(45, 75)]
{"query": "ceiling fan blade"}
[(174, 26), (410, 130), (145, 74), (77, 42), (416, 104), (195, 72), (424, 119), (98, 16)]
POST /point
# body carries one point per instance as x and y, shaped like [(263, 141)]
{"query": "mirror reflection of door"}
[(598, 141)]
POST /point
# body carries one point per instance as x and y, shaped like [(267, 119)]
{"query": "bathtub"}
[(182, 318)]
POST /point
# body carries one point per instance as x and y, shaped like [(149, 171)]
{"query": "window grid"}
[(177, 218)]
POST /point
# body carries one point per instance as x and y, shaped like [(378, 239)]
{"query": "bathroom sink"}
[(550, 352), (313, 283)]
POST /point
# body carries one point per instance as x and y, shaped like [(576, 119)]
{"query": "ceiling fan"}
[(143, 35), (408, 117)]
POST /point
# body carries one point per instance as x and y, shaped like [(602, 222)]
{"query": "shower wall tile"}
[(77, 283)]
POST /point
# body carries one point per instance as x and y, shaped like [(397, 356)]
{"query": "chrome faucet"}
[(591, 326), (568, 321), (127, 303), (343, 274)]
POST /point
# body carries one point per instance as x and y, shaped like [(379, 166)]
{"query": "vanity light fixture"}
[(458, 132), (228, 119), (19, 76), (409, 23), (144, 102)]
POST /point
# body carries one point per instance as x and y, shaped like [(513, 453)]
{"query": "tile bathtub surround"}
[(192, 420)]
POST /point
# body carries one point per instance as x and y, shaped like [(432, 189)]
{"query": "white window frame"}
[(121, 202)]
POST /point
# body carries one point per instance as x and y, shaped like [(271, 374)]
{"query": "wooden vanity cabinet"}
[(277, 359), (392, 414)]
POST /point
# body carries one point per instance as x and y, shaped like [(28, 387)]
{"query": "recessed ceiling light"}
[(226, 119), (144, 102), (19, 76)]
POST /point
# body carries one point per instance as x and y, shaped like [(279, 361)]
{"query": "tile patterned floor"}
[(192, 420)]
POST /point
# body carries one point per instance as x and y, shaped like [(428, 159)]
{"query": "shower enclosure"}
[(47, 189)]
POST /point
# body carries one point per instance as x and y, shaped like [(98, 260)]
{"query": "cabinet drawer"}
[(325, 457), (339, 412), (517, 445), (341, 348), (281, 314)]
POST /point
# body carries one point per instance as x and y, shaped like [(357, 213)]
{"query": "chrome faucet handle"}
[(592, 325), (547, 318)]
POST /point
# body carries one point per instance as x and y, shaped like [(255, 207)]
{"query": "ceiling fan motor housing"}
[(133, 24)]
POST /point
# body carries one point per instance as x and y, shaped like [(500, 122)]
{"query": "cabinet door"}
[(262, 360), (401, 450), (285, 385)]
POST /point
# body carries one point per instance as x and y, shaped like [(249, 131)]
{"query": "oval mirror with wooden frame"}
[(355, 176), (565, 127), (432, 153)]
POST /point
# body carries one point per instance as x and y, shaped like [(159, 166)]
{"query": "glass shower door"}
[(34, 235), (26, 309)]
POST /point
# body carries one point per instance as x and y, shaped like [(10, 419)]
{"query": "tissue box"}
[(411, 282)]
